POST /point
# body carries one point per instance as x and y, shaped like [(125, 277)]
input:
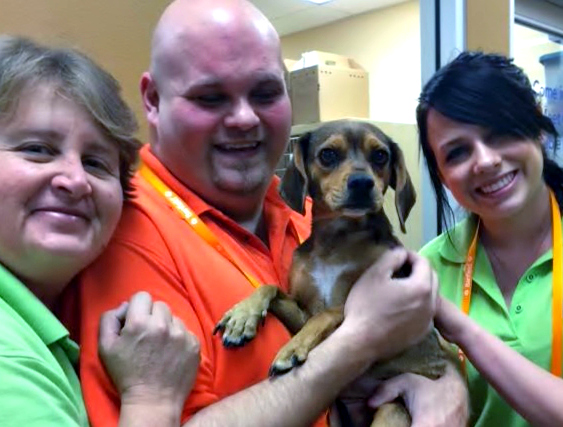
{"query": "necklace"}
[(557, 286)]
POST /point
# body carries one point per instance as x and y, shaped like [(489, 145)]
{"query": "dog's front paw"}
[(293, 354), (240, 324)]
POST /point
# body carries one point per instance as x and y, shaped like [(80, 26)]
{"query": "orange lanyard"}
[(192, 219), (557, 297)]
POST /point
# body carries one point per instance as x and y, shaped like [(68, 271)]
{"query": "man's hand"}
[(148, 353), (388, 314), (431, 403)]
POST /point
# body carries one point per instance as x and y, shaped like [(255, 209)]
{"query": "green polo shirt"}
[(38, 383), (525, 325)]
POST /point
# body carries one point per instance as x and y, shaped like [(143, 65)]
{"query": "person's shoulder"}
[(35, 390), (143, 214), (18, 340), (433, 247), (451, 244)]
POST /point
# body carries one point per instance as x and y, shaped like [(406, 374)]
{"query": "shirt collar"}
[(196, 203), (31, 309), (455, 249), (457, 240)]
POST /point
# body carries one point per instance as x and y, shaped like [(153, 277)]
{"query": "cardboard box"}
[(328, 87)]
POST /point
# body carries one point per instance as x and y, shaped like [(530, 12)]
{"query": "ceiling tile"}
[(290, 16), (308, 18), (277, 8), (355, 7)]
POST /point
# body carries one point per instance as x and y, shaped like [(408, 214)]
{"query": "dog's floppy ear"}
[(294, 184), (405, 195)]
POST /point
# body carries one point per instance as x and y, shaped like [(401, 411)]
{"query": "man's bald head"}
[(215, 99), (187, 22)]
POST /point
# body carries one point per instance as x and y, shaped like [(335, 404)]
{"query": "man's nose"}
[(486, 157), (71, 178), (242, 115)]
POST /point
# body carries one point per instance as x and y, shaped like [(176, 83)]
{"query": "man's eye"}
[(379, 157), (210, 100), (266, 96), (329, 157)]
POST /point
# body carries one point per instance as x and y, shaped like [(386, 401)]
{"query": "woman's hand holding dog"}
[(151, 358), (387, 314)]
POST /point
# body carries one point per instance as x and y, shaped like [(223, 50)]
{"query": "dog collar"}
[(557, 292)]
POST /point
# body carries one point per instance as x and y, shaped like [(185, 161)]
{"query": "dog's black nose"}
[(359, 182)]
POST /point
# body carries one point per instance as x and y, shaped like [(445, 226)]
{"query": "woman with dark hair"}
[(482, 133)]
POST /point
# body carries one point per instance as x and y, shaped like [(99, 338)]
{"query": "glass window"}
[(540, 54)]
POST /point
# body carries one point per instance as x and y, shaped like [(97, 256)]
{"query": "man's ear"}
[(405, 194), (150, 97), (294, 184)]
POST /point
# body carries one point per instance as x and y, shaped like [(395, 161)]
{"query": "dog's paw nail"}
[(279, 368), (274, 372), (296, 361)]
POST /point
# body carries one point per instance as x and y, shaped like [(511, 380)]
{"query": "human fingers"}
[(448, 319), (389, 390), (422, 281), (435, 290), (161, 313), (140, 307), (111, 323), (420, 268), (192, 340), (191, 350), (388, 263)]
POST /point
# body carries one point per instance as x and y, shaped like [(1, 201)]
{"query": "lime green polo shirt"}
[(525, 325), (38, 383)]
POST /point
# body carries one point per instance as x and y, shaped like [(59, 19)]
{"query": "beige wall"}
[(406, 135), (488, 25), (116, 33), (386, 43)]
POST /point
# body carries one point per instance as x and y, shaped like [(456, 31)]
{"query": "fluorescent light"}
[(318, 1)]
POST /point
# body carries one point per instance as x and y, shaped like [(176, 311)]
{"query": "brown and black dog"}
[(346, 168)]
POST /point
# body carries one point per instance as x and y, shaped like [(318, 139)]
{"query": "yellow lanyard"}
[(557, 297), (192, 219)]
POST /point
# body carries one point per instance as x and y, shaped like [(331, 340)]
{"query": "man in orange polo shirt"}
[(207, 223)]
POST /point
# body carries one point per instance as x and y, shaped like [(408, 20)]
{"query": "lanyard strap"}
[(557, 296), (468, 268), (192, 219)]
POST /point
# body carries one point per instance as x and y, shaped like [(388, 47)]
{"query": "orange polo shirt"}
[(154, 250)]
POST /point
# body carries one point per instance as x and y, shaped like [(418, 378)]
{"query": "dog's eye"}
[(329, 157), (379, 157)]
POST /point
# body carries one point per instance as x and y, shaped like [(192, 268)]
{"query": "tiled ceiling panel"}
[(291, 16)]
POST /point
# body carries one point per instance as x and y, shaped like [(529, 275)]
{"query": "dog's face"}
[(346, 167)]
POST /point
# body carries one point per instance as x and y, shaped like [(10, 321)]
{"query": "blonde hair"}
[(25, 64)]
